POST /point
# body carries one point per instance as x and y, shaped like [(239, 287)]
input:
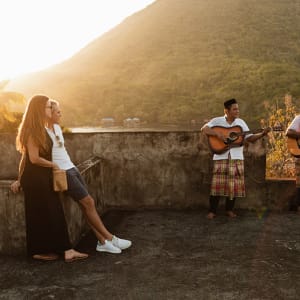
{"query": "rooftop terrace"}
[(175, 255), (152, 188)]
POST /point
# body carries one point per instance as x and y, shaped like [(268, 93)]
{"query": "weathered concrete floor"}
[(175, 255)]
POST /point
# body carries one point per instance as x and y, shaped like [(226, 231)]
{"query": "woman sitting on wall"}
[(77, 190)]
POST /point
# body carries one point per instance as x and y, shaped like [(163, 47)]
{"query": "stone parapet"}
[(140, 170)]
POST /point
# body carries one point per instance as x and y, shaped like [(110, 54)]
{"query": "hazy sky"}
[(36, 34)]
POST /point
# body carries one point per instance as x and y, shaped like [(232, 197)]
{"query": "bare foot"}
[(231, 214), (211, 216), (45, 256), (72, 255)]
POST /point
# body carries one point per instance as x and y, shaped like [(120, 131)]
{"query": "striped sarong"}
[(228, 178)]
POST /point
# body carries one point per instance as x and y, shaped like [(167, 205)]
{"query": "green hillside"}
[(179, 60)]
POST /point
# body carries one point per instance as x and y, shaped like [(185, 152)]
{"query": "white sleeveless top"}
[(60, 155)]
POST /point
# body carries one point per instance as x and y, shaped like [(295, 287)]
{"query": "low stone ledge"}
[(12, 220), (12, 211), (164, 169), (280, 193)]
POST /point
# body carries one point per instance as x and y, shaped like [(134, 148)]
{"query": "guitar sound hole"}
[(233, 136)]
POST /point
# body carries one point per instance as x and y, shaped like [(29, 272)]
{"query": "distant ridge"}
[(179, 60)]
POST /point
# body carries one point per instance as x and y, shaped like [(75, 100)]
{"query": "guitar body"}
[(234, 138), (293, 146)]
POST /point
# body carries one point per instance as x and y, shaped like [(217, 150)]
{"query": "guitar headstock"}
[(277, 128), (274, 128), (268, 129)]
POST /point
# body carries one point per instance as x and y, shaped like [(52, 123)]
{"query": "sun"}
[(36, 34)]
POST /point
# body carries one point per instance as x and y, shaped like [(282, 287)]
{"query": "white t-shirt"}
[(295, 125), (235, 152), (60, 155)]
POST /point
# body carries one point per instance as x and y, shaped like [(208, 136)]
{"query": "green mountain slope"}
[(179, 60)]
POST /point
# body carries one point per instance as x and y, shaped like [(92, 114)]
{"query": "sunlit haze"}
[(36, 34)]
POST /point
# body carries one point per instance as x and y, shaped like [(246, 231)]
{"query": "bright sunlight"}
[(36, 34)]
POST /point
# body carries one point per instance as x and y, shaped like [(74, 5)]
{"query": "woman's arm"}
[(35, 158), (15, 186), (21, 166)]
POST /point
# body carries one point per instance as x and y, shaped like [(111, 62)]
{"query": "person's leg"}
[(78, 191), (45, 256), (296, 204), (107, 241), (87, 205), (236, 184), (213, 200), (218, 186), (213, 205), (298, 200), (229, 206)]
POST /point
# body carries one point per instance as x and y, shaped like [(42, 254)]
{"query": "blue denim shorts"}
[(76, 185)]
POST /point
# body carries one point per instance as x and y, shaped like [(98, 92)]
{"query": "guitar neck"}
[(243, 133)]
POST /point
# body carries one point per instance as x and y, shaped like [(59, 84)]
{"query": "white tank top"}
[(60, 155)]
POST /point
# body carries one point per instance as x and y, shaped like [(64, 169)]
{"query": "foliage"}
[(11, 107), (280, 163)]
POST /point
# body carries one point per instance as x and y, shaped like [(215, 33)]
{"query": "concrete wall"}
[(158, 169), (135, 170), (170, 169), (9, 157), (12, 221)]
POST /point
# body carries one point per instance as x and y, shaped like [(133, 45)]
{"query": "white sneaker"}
[(120, 243), (107, 247)]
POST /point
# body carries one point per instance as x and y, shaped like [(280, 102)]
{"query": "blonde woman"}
[(107, 242), (46, 228)]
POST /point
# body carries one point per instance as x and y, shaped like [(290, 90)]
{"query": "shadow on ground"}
[(175, 255)]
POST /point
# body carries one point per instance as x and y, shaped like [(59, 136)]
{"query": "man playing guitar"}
[(293, 134), (228, 167)]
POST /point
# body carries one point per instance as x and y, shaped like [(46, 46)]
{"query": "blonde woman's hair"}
[(53, 103), (33, 124)]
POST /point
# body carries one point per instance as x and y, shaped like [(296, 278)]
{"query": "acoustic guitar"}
[(234, 137), (293, 146)]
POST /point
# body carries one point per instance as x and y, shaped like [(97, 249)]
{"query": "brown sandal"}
[(45, 257), (231, 214), (211, 216), (75, 256)]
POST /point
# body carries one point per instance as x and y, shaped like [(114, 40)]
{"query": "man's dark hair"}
[(228, 103)]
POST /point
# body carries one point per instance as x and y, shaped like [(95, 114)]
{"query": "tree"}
[(11, 107), (280, 163)]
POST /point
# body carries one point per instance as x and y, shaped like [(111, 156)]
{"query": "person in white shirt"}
[(293, 131), (107, 242), (228, 165)]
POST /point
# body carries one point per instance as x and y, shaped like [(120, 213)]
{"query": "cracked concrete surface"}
[(175, 255)]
